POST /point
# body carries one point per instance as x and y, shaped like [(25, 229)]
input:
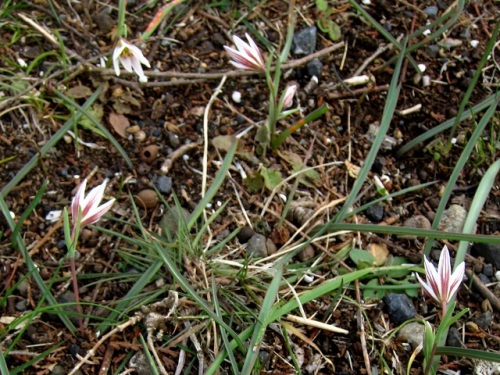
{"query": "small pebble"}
[(431, 11), (164, 184), (484, 320), (497, 275), (488, 270), (453, 219), (454, 338), (304, 41), (236, 96), (257, 246), (375, 213), (245, 234), (413, 334), (21, 305), (314, 67), (474, 43), (399, 307)]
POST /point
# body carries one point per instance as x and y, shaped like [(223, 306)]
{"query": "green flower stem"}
[(121, 29)]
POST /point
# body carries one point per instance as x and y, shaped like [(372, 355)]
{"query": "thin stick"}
[(217, 91), (167, 164), (132, 321)]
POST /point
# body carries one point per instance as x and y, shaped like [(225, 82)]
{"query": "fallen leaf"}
[(119, 123), (379, 252), (79, 92)]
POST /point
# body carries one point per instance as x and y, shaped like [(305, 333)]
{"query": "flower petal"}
[(428, 289), (77, 201), (98, 213)]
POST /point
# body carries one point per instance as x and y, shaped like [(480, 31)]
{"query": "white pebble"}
[(53, 216), (474, 43), (426, 81), (308, 278), (422, 67), (22, 63), (236, 96), (497, 275)]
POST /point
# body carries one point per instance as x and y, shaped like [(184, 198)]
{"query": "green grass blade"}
[(214, 188), (406, 231), (262, 321), (390, 106), (462, 161), (4, 370), (468, 353), (32, 268), (132, 294), (475, 78), (431, 133), (28, 212), (223, 333), (30, 363), (167, 261)]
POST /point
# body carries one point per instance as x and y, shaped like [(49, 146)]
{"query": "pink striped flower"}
[(87, 208), (288, 96), (246, 55), (441, 283)]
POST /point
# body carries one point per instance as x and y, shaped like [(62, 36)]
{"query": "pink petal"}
[(77, 201), (98, 213), (456, 279)]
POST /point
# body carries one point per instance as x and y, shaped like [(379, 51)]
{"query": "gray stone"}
[(488, 270), (431, 11), (314, 67), (484, 320), (23, 286), (484, 279), (21, 305), (399, 307), (68, 298), (375, 213), (257, 246), (245, 234), (490, 252), (432, 50), (453, 338), (413, 334), (453, 219), (304, 41), (164, 184), (140, 363)]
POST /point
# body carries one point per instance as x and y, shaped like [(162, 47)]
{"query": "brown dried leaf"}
[(379, 252), (119, 123), (79, 92)]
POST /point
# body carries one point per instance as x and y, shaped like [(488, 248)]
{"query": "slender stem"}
[(74, 240), (428, 366), (76, 292)]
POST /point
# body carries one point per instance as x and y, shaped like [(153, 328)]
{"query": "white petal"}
[(427, 288), (127, 63)]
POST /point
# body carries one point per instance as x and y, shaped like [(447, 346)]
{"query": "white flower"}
[(131, 57), (86, 208), (441, 283), (247, 55)]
